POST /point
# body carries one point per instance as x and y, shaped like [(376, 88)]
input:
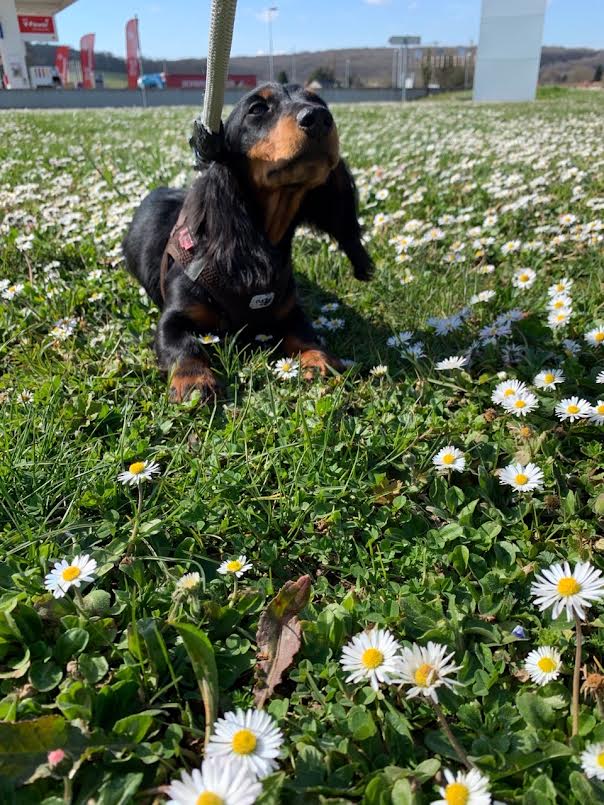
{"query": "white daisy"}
[(286, 368), (548, 378), (600, 378), (573, 408), (506, 389), (524, 278), (592, 761), (559, 302), (522, 478), (218, 782), (520, 404), (138, 472), (449, 459), (262, 338), (511, 246), (250, 738), (595, 337), (237, 566), (69, 574), (571, 347), (483, 296), (597, 413), (464, 788), (209, 338), (12, 290), (426, 668), (373, 656), (560, 588), (543, 664), (330, 307), (453, 362), (381, 370), (561, 286), (559, 318), (188, 582)]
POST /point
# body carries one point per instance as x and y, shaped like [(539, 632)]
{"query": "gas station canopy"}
[(25, 21)]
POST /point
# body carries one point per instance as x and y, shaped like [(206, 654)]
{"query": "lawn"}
[(330, 487)]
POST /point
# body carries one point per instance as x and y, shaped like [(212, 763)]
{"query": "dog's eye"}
[(258, 108)]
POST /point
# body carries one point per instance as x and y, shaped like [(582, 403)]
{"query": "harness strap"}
[(180, 247)]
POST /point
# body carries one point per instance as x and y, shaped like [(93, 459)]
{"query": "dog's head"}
[(284, 135)]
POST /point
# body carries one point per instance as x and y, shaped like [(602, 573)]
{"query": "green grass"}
[(332, 478)]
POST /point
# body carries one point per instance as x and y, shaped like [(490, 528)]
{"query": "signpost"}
[(403, 43)]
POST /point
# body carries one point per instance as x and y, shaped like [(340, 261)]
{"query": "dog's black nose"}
[(315, 120)]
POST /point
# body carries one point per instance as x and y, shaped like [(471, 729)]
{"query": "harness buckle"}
[(261, 300)]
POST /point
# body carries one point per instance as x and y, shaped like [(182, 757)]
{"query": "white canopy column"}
[(12, 47)]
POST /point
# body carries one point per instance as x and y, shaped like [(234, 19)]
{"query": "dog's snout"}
[(315, 120)]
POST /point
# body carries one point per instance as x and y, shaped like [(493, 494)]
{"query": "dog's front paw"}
[(315, 360), (191, 375)]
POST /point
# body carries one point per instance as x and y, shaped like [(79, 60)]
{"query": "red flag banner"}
[(62, 63), (132, 49), (87, 60)]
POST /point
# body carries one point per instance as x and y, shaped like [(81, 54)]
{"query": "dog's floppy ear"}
[(332, 208)]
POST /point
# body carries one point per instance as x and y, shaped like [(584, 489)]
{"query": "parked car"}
[(151, 81)]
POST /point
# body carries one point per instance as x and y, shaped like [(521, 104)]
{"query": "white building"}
[(25, 21), (509, 50)]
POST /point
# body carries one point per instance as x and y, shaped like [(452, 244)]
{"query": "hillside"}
[(368, 66)]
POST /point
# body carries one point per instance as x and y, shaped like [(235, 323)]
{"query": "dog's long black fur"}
[(223, 213)]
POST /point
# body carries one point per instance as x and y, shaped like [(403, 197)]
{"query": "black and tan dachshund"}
[(218, 257)]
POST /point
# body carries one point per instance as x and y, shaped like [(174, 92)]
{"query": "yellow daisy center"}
[(70, 573), (549, 377), (599, 336), (559, 287), (573, 409), (546, 664), (600, 409), (568, 586), (448, 458), (508, 392), (519, 404), (558, 304), (234, 565), (243, 742), (423, 675), (521, 478), (285, 367), (372, 658), (209, 798), (524, 278), (137, 467), (188, 584), (457, 794), (600, 759)]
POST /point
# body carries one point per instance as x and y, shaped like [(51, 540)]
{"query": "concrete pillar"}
[(509, 50), (12, 47)]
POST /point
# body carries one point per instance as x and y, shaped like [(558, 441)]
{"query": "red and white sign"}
[(132, 51), (36, 28), (87, 60), (62, 63)]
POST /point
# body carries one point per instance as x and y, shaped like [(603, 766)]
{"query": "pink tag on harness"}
[(185, 240)]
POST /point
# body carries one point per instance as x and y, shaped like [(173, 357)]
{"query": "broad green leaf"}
[(135, 727), (45, 675), (402, 793), (278, 636), (70, 643), (26, 744), (119, 789), (536, 711), (202, 658)]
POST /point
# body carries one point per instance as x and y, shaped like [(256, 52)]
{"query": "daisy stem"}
[(78, 600), (234, 593), (577, 676), (137, 519), (461, 753)]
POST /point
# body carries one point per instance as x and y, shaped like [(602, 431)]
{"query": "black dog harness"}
[(237, 308)]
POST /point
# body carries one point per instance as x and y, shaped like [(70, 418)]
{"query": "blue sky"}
[(178, 28)]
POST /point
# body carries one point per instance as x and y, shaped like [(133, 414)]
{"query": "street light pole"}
[(271, 64)]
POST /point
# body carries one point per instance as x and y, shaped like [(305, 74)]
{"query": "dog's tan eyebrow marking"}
[(265, 93)]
